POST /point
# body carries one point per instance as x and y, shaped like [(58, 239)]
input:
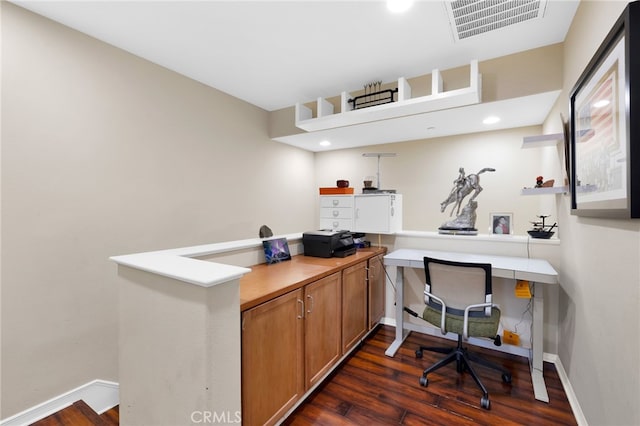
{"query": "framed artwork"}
[(501, 223), (276, 250), (605, 149)]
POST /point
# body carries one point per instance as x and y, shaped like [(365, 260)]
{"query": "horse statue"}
[(462, 187)]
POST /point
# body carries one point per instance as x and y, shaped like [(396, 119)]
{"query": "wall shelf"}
[(404, 106), (542, 140), (548, 190)]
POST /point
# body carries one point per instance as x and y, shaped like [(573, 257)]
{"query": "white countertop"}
[(180, 264), (521, 268)]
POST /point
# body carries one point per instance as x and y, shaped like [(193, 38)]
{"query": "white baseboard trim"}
[(568, 389), (100, 395)]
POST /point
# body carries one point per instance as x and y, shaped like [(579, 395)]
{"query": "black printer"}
[(328, 243)]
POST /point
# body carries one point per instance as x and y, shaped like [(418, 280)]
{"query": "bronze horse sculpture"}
[(462, 187)]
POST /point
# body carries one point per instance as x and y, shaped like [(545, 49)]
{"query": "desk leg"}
[(535, 360), (400, 332)]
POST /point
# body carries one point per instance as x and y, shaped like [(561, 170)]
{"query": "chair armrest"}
[(465, 325), (443, 316)]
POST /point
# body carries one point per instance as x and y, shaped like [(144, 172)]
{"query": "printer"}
[(328, 243)]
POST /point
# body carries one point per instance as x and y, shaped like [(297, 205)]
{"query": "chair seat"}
[(478, 326)]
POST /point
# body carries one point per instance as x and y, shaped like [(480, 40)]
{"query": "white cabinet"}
[(378, 213), (336, 212), (373, 213)]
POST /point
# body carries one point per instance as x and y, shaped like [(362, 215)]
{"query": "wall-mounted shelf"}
[(548, 190), (404, 106), (542, 140)]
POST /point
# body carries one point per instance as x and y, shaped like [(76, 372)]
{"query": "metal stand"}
[(379, 154)]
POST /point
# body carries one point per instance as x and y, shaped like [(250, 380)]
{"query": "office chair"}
[(464, 290)]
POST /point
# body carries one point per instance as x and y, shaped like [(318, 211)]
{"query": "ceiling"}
[(274, 54)]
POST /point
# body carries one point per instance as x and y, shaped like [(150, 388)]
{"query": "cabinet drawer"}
[(336, 224), (335, 213), (336, 201)]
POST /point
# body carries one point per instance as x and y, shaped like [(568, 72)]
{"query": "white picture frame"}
[(501, 223)]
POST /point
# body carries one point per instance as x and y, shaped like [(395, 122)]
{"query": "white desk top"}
[(520, 268)]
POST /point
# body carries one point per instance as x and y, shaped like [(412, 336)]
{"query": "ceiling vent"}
[(469, 18)]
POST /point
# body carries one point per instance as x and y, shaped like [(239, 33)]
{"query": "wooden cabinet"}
[(322, 327), (354, 305), (299, 319), (376, 280), (288, 344), (272, 358)]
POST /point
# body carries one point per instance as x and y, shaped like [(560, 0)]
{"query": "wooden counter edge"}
[(325, 266)]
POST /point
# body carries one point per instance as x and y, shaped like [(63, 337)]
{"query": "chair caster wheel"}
[(419, 353), (485, 403), (506, 378), (424, 381)]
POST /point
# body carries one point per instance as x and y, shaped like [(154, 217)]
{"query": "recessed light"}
[(325, 143), (399, 6), (491, 120)]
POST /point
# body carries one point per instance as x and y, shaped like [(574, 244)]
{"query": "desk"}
[(538, 271)]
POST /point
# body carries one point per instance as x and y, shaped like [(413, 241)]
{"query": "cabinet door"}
[(354, 305), (379, 213), (322, 327), (376, 290), (272, 358)]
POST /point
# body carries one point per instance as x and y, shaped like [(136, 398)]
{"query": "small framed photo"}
[(501, 223), (276, 250)]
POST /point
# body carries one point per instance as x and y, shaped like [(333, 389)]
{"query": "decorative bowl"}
[(541, 234), (342, 183)]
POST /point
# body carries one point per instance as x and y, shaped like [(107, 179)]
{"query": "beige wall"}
[(423, 172), (521, 74), (104, 153), (599, 315)]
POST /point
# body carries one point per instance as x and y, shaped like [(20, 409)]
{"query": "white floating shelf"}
[(542, 140), (548, 190), (404, 106)]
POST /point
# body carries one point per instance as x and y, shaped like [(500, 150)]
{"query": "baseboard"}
[(100, 395), (568, 389)]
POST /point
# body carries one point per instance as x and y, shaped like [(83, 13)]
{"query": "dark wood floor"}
[(373, 389), (80, 414)]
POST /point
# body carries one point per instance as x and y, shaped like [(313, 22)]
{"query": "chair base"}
[(463, 360)]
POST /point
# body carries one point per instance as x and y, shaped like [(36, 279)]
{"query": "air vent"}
[(470, 18)]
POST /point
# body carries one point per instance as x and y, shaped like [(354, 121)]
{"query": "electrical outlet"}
[(510, 338)]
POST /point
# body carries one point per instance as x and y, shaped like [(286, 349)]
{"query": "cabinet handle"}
[(336, 202), (336, 224), (310, 297), (336, 213), (301, 309)]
